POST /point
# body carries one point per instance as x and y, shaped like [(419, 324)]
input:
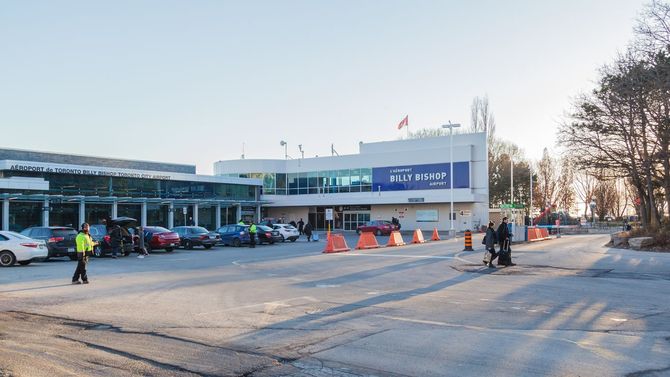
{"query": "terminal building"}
[(406, 179), (42, 189)]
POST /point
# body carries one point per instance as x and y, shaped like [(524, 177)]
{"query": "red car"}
[(157, 237), (378, 227)]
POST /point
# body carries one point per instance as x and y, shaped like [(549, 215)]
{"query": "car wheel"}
[(147, 246), (7, 258), (378, 232), (208, 247), (236, 242), (72, 256), (282, 238), (168, 249), (97, 252), (24, 262), (272, 242), (293, 239), (188, 245)]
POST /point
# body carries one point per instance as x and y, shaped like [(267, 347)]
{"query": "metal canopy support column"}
[(195, 214), (171, 215), (258, 213), (143, 219), (5, 214), (218, 216), (115, 209), (239, 212), (82, 212), (45, 212)]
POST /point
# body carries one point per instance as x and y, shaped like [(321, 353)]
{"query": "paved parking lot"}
[(571, 307)]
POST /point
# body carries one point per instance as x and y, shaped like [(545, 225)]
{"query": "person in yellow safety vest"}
[(241, 222), (252, 235), (85, 245)]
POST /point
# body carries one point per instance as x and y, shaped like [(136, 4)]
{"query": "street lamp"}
[(302, 153), (451, 127), (285, 145)]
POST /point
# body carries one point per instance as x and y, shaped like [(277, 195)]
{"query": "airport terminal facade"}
[(42, 189), (405, 179)]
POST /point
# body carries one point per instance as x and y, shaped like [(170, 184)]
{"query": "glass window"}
[(355, 177), (366, 176)]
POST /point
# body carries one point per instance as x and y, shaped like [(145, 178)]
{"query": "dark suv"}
[(100, 234), (196, 236), (60, 240)]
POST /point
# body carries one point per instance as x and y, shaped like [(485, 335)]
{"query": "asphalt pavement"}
[(570, 307)]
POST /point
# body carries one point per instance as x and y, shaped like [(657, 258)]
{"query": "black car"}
[(100, 234), (60, 240), (196, 236), (265, 234)]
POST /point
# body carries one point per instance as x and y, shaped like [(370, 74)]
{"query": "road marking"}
[(619, 319), (327, 285), (401, 256)]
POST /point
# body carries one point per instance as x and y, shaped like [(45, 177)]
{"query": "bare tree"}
[(585, 185), (481, 117)]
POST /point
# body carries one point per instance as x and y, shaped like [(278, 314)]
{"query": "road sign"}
[(329, 214), (512, 205)]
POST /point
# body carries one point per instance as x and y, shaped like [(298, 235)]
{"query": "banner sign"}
[(420, 177)]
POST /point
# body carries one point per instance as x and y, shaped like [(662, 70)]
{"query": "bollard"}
[(468, 241)]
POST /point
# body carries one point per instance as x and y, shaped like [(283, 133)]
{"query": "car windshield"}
[(157, 229), (199, 229), (16, 235), (97, 230)]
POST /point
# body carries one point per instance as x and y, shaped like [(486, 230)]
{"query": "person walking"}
[(252, 235), (505, 254), (85, 245), (140, 241), (115, 239), (301, 227), (308, 231), (489, 242)]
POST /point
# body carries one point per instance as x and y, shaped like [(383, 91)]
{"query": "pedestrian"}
[(301, 226), (140, 241), (115, 239), (252, 235), (241, 222), (308, 231), (293, 224), (85, 245), (505, 254), (490, 240)]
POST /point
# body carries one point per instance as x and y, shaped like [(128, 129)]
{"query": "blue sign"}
[(420, 177)]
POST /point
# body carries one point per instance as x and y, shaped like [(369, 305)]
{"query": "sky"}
[(199, 81)]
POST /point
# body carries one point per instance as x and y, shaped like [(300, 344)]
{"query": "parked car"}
[(15, 247), (59, 240), (265, 234), (234, 234), (378, 227), (157, 237), (196, 236), (100, 234), (287, 232)]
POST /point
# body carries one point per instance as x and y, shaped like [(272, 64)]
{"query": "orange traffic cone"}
[(436, 236), (418, 237)]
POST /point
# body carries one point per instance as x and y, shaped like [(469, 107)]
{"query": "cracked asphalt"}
[(571, 307)]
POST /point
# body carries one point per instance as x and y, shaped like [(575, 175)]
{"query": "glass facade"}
[(157, 215), (96, 212), (72, 184), (64, 214), (314, 182), (24, 214)]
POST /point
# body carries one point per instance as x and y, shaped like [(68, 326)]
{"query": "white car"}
[(287, 232), (15, 247)]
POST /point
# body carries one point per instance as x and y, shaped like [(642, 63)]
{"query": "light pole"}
[(451, 127), (302, 153), (285, 145)]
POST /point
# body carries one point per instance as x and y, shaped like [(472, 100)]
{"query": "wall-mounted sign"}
[(427, 215), (420, 177), (329, 214), (415, 200)]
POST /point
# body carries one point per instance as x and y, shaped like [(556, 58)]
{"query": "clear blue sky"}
[(190, 81)]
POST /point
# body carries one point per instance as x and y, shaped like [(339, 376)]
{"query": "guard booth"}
[(515, 215)]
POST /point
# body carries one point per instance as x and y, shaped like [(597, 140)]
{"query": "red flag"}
[(404, 122)]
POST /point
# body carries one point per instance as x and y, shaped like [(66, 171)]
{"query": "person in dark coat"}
[(301, 224), (504, 240), (115, 240), (490, 240), (308, 231)]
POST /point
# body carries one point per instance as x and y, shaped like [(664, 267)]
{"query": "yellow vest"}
[(84, 242)]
